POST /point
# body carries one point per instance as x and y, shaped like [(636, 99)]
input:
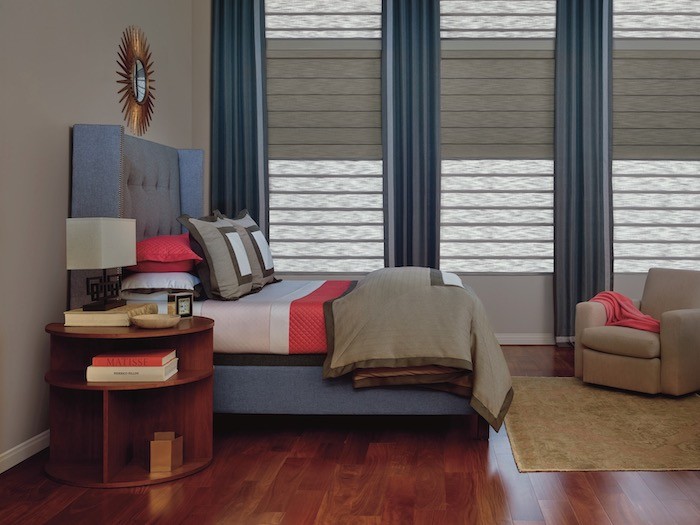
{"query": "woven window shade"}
[(656, 134), (497, 97), (324, 134)]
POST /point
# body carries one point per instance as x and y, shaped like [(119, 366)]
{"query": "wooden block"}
[(166, 451)]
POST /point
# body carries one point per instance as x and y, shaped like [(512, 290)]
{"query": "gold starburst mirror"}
[(136, 72)]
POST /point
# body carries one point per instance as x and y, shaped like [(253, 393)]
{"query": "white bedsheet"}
[(257, 323), (254, 324)]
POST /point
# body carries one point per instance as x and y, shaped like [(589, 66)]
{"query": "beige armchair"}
[(621, 357)]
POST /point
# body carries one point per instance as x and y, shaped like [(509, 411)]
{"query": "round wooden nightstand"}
[(100, 432)]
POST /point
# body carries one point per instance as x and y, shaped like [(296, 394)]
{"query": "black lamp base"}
[(104, 292)]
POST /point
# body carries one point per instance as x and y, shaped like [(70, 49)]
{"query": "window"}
[(669, 19), (285, 19), (656, 134), (657, 214), (497, 101), (326, 216), (324, 126), (496, 216)]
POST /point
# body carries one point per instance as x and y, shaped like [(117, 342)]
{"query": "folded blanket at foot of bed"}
[(444, 378), (414, 320)]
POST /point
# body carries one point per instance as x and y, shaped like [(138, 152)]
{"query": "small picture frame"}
[(180, 304)]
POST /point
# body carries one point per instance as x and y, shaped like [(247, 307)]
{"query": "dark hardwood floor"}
[(298, 470)]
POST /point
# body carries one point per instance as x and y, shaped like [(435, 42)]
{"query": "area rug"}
[(562, 424)]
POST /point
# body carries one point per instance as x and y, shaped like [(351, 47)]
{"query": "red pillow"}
[(165, 253)]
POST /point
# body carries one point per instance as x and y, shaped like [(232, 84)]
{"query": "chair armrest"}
[(589, 313), (680, 351)]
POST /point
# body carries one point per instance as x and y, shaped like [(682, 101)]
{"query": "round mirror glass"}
[(138, 80)]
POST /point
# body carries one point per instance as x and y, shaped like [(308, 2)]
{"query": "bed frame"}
[(117, 175)]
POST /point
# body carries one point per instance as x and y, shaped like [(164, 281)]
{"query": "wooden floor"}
[(365, 470)]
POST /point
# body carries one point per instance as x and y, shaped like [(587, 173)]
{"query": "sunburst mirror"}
[(137, 78)]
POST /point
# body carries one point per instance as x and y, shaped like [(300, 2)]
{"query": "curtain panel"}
[(582, 157), (411, 131), (238, 119)]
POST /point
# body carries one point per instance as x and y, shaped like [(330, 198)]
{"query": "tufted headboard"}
[(117, 175)]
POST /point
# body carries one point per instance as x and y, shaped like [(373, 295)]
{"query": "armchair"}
[(621, 357)]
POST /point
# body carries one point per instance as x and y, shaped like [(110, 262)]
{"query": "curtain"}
[(238, 140), (582, 157), (411, 131)]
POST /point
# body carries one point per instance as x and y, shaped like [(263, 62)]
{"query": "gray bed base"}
[(116, 175)]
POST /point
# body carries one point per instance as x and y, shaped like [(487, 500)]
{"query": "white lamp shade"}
[(100, 242)]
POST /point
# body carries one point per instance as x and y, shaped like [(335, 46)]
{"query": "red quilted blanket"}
[(307, 323)]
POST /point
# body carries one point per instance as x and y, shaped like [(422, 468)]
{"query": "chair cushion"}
[(620, 340)]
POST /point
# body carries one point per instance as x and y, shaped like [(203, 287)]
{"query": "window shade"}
[(513, 19), (657, 214), (496, 216), (326, 216), (324, 135), (497, 119), (323, 19), (656, 104), (656, 19), (656, 134)]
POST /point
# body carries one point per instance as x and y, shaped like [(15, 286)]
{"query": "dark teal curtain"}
[(238, 148), (411, 128), (582, 157)]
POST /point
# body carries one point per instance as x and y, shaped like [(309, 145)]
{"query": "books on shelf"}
[(149, 358), (120, 316), (131, 373)]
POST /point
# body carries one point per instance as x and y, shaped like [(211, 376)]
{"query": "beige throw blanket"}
[(418, 319)]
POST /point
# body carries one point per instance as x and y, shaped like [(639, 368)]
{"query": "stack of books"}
[(158, 365)]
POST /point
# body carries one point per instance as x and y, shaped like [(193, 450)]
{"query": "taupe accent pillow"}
[(227, 274), (258, 249)]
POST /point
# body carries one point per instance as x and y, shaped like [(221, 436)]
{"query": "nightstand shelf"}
[(76, 381), (100, 432)]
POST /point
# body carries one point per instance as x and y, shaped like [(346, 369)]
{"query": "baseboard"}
[(23, 451), (525, 339)]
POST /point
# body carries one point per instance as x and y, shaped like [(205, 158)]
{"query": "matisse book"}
[(148, 358), (131, 373)]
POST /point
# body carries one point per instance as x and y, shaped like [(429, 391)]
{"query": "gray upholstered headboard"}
[(117, 175)]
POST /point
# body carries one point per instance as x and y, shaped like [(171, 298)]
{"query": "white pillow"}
[(160, 281)]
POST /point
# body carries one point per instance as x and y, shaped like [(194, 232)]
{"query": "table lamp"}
[(101, 243)]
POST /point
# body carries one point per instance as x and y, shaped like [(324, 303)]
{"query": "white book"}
[(120, 316), (104, 374)]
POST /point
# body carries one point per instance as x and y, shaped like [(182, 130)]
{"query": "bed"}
[(116, 175)]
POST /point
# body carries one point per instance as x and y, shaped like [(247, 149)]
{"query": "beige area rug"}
[(562, 424)]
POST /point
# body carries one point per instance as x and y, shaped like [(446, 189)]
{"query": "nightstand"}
[(100, 432)]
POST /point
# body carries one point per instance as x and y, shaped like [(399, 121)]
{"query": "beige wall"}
[(201, 85), (57, 68)]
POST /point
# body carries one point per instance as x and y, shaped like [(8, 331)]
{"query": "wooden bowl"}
[(155, 320)]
